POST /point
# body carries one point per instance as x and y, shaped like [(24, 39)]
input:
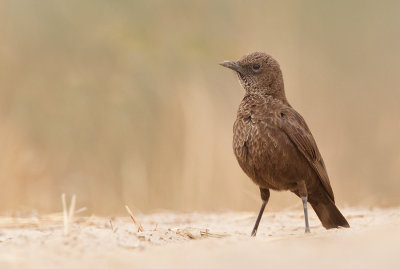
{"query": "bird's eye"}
[(256, 66)]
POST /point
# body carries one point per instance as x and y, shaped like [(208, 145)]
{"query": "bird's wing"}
[(293, 124)]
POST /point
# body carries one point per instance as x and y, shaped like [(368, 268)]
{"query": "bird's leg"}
[(254, 232), (303, 194), (265, 198), (304, 199)]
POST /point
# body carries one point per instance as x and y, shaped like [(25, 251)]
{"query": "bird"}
[(273, 144)]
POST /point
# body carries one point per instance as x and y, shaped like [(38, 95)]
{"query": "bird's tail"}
[(329, 214)]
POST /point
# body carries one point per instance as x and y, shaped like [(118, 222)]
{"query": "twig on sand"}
[(112, 227), (80, 210), (68, 215), (140, 228), (65, 216), (193, 233)]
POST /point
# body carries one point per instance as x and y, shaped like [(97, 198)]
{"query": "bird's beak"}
[(232, 65)]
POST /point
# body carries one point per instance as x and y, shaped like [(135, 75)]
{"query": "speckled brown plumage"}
[(273, 143)]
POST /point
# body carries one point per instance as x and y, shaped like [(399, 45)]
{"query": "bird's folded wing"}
[(293, 124)]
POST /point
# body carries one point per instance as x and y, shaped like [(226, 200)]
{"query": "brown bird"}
[(274, 145)]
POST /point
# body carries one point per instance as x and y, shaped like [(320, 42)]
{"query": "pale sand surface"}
[(202, 240)]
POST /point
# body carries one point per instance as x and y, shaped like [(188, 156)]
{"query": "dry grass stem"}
[(65, 215), (140, 228), (68, 214), (112, 227), (80, 210)]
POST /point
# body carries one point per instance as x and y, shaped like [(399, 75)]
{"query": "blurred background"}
[(123, 102)]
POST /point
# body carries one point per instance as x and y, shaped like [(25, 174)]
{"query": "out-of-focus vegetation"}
[(123, 101)]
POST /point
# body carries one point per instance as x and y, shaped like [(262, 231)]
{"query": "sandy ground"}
[(199, 240)]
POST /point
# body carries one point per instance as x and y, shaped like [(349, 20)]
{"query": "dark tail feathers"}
[(329, 215)]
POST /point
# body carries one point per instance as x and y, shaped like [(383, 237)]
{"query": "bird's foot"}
[(254, 233)]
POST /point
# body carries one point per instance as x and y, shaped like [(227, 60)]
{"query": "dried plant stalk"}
[(68, 215), (65, 214), (140, 228)]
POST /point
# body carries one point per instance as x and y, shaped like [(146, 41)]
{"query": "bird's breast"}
[(259, 146), (253, 140)]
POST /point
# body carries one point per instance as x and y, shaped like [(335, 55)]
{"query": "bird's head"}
[(258, 73)]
